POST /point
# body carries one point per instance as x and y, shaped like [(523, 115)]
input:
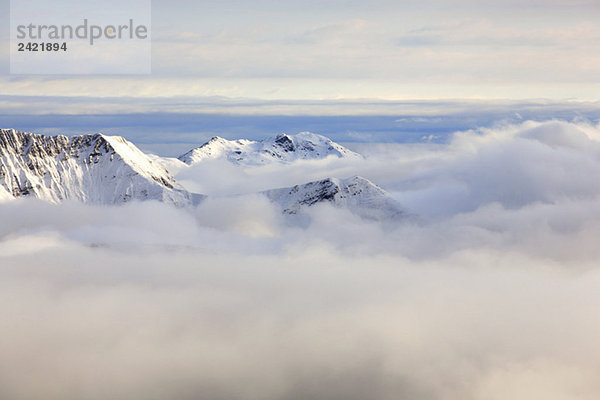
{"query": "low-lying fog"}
[(492, 293)]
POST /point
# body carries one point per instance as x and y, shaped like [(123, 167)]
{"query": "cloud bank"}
[(491, 294)]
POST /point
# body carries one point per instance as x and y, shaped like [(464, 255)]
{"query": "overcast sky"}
[(355, 49)]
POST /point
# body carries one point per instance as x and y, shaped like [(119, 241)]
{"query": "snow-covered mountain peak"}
[(93, 168), (357, 194), (281, 148), (140, 162)]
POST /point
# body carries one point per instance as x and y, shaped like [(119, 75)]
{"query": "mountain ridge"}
[(282, 148), (100, 169), (93, 168)]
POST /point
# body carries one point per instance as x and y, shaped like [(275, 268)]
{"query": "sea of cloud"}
[(490, 292)]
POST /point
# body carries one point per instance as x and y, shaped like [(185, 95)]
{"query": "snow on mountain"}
[(357, 194), (94, 168), (281, 148), (4, 195), (171, 164), (100, 169)]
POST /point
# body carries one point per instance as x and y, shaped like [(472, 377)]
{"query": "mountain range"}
[(100, 169)]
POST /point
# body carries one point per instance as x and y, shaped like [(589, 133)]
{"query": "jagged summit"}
[(92, 168), (281, 148), (357, 194)]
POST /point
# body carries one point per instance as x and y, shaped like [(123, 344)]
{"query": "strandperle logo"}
[(81, 37), (128, 31)]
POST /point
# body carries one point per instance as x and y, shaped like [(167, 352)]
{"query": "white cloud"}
[(494, 297)]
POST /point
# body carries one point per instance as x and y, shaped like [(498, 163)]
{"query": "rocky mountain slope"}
[(94, 169), (357, 194)]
